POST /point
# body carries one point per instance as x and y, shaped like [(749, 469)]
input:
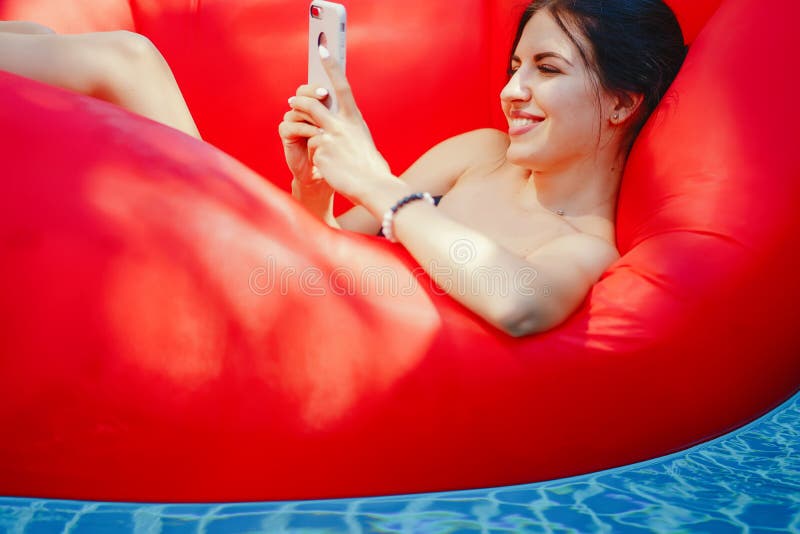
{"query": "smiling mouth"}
[(521, 125)]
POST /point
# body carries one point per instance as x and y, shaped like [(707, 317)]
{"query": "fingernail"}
[(321, 92), (291, 100), (323, 52)]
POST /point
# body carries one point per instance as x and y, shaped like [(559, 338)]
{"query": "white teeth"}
[(517, 123)]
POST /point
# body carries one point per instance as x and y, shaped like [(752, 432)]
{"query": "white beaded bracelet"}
[(388, 218)]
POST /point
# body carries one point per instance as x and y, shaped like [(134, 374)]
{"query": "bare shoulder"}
[(486, 137), (483, 145), (479, 152), (441, 166), (475, 147)]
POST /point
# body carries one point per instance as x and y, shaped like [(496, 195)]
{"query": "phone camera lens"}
[(316, 12)]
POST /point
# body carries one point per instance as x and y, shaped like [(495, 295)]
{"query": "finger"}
[(316, 110), (341, 87), (292, 131), (298, 116), (312, 91), (313, 145), (317, 142)]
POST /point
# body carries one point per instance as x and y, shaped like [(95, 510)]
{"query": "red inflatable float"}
[(176, 328)]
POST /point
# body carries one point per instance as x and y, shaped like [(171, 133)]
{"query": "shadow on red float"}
[(145, 354)]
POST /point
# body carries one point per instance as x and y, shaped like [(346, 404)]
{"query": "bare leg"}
[(20, 26), (121, 67)]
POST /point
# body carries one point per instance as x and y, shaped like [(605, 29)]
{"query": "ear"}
[(625, 106)]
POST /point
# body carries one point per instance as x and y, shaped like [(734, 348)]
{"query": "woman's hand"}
[(341, 148), (295, 130), (307, 187)]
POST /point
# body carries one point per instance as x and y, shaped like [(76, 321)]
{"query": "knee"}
[(133, 48), (129, 60)]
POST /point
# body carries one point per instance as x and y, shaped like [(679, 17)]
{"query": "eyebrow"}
[(542, 55)]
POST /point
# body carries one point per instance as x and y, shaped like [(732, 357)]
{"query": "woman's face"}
[(551, 102)]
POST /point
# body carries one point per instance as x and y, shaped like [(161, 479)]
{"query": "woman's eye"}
[(512, 70), (548, 69)]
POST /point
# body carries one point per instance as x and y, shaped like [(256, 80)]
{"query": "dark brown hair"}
[(636, 46)]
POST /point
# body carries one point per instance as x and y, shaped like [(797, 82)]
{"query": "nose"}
[(515, 90)]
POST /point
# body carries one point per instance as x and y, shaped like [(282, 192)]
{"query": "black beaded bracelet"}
[(388, 218)]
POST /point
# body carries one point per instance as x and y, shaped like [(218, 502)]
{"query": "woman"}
[(535, 205), (584, 77)]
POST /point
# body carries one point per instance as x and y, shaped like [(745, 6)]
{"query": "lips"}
[(520, 122)]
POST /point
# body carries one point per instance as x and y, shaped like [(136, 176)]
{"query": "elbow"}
[(521, 329), (520, 320), (528, 318)]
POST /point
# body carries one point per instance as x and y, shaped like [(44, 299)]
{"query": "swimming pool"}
[(747, 479)]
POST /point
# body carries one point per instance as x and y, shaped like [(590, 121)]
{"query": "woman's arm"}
[(436, 171), (518, 295)]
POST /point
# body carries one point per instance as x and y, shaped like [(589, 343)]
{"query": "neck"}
[(586, 187)]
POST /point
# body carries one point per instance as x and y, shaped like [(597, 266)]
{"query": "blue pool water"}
[(746, 481)]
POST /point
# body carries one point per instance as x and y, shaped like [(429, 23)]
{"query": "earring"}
[(615, 116)]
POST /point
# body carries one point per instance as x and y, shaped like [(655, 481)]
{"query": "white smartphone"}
[(327, 25)]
